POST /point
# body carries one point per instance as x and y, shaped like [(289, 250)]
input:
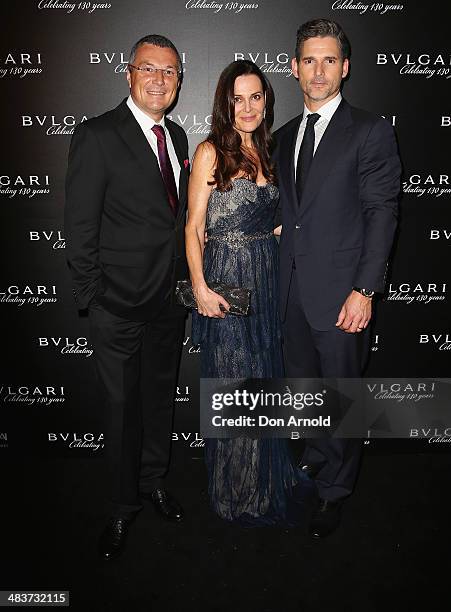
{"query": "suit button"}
[(297, 226)]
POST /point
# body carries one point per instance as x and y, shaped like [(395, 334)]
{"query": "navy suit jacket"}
[(341, 232), (124, 246)]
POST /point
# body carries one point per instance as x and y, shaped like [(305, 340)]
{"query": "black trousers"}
[(137, 364), (309, 353)]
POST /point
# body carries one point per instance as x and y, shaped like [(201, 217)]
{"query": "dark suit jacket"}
[(124, 246), (342, 231)]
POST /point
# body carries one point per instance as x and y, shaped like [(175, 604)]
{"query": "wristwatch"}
[(365, 292)]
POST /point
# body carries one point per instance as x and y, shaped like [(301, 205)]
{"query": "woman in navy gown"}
[(233, 198)]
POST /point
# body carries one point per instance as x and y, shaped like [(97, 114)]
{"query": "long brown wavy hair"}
[(231, 159)]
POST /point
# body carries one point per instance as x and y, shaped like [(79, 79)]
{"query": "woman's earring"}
[(264, 112)]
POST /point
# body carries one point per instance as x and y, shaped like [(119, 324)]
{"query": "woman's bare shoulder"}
[(205, 152)]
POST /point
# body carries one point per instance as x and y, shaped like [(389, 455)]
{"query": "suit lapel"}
[(329, 151), (133, 136), (286, 162)]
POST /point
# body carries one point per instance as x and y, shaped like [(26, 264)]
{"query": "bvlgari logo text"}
[(67, 346), (78, 440), (274, 63), (182, 394), (194, 439), (427, 184), (31, 395), (402, 391), (53, 125), (440, 234), (193, 124), (20, 65), (118, 59), (423, 64), (53, 237), (36, 295), (69, 7), (425, 293), (21, 185), (433, 434), (439, 341)]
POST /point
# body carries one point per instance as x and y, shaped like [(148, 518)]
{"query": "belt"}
[(238, 239)]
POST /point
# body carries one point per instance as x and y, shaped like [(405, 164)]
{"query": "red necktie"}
[(166, 167)]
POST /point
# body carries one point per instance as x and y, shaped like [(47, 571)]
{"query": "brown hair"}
[(321, 28), (230, 158)]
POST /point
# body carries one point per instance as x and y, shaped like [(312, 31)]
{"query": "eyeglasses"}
[(168, 73)]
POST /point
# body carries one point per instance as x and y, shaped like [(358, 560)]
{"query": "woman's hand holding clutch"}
[(209, 303)]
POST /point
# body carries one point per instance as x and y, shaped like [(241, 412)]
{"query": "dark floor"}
[(391, 552)]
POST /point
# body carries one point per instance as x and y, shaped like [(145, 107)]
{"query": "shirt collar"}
[(144, 120), (327, 110)]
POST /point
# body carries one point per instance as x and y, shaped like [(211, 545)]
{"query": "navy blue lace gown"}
[(251, 481)]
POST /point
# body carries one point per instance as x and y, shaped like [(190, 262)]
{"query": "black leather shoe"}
[(166, 505), (326, 518), (112, 540)]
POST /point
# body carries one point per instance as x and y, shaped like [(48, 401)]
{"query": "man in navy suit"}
[(339, 175)]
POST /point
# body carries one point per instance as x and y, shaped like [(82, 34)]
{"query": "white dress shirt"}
[(326, 113), (146, 123)]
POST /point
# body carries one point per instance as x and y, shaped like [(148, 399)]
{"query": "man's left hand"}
[(355, 313)]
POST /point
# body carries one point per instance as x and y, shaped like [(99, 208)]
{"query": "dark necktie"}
[(306, 154), (166, 167)]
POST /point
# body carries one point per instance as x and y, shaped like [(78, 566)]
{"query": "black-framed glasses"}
[(168, 73)]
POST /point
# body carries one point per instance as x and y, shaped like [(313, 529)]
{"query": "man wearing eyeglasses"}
[(126, 192)]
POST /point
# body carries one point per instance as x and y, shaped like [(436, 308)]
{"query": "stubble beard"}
[(320, 96)]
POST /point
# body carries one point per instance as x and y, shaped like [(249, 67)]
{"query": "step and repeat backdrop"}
[(62, 62)]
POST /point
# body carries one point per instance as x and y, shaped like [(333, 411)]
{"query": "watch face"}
[(367, 293)]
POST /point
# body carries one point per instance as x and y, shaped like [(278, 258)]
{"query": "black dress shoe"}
[(112, 540), (166, 505), (326, 518)]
